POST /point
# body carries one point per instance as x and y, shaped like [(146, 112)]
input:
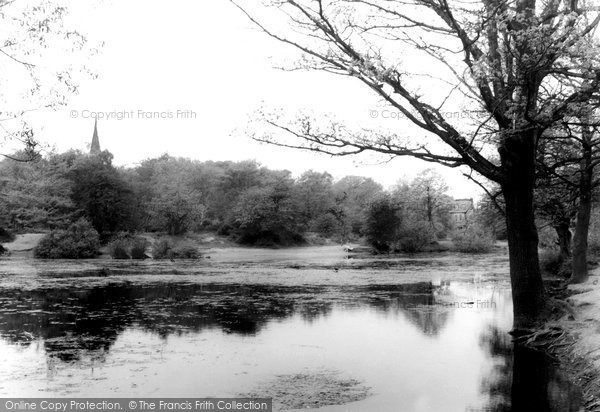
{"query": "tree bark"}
[(584, 210), (580, 242), (564, 239), (529, 297)]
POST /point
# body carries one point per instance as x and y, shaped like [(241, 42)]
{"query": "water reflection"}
[(168, 338), (525, 379), (72, 320)]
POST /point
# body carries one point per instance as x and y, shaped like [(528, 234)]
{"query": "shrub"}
[(594, 233), (127, 247), (326, 225), (138, 248), (185, 250), (415, 236), (166, 249), (547, 237), (6, 236), (79, 241), (440, 230), (162, 249), (552, 263), (224, 230), (382, 223), (594, 243), (118, 249), (473, 239), (550, 260)]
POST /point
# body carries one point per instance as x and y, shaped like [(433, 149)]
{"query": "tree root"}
[(557, 342)]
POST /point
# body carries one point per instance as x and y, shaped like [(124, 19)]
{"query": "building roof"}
[(462, 205)]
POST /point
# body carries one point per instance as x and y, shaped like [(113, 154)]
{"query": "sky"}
[(188, 78)]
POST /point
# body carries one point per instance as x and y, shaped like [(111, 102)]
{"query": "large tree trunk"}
[(564, 239), (580, 242), (529, 297), (584, 210)]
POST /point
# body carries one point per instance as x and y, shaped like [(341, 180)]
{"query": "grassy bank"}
[(574, 339), (580, 346)]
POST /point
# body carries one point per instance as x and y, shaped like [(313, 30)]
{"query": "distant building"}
[(95, 147), (461, 212)]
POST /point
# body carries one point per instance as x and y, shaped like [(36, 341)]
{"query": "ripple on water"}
[(397, 332)]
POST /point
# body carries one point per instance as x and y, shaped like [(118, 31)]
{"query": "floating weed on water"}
[(311, 390)]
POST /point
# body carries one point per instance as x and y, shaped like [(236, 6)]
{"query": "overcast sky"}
[(204, 67)]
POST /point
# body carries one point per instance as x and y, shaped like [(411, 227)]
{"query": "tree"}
[(489, 214), (42, 60), (177, 209), (237, 178), (314, 192), (352, 196), (426, 199), (556, 204), (589, 159), (35, 194), (169, 195), (522, 64), (101, 193), (267, 215), (382, 223), (571, 167), (34, 76)]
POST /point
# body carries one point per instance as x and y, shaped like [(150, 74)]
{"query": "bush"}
[(440, 230), (185, 250), (547, 238), (269, 238), (127, 247), (415, 237), (6, 236), (594, 233), (326, 225), (473, 239), (224, 230), (166, 249), (138, 248), (382, 223), (79, 241), (118, 249), (552, 263), (550, 260), (162, 249)]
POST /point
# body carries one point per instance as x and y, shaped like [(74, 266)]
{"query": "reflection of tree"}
[(525, 379), (74, 321), (430, 322), (415, 300)]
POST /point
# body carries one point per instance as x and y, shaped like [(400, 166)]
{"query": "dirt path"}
[(25, 242)]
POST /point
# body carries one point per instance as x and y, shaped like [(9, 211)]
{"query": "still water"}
[(308, 327)]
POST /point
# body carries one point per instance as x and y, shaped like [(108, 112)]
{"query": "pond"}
[(308, 327)]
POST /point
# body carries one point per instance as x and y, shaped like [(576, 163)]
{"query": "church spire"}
[(95, 147)]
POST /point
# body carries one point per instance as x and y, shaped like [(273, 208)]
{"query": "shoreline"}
[(574, 339), (582, 355)]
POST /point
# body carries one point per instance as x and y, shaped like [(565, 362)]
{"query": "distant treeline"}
[(251, 203)]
